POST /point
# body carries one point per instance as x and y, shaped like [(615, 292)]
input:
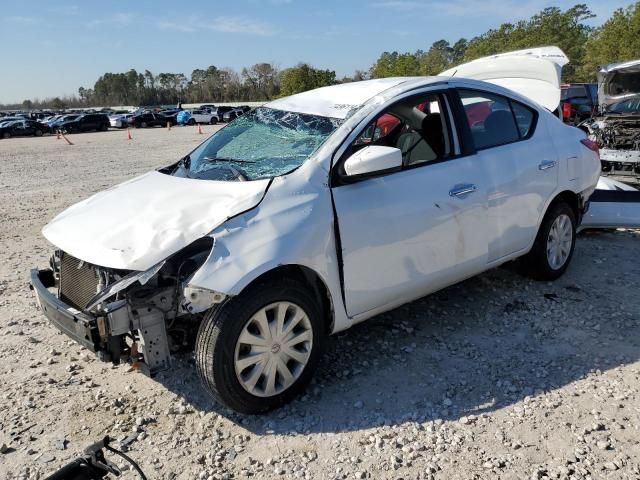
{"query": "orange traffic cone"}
[(129, 137), (168, 125), (200, 132)]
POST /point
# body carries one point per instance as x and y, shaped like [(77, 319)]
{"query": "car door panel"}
[(404, 235)]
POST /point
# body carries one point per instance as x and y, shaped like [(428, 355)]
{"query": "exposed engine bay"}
[(136, 317)]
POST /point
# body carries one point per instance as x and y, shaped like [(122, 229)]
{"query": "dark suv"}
[(578, 101), (144, 120), (86, 123)]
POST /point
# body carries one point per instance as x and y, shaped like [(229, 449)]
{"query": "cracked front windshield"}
[(263, 143)]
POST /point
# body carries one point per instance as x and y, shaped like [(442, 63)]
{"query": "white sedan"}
[(308, 215)]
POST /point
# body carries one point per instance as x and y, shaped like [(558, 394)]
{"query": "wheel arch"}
[(310, 278), (573, 199)]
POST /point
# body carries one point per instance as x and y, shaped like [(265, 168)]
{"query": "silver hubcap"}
[(273, 348), (559, 241)]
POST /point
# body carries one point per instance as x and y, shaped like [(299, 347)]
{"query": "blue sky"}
[(52, 48)]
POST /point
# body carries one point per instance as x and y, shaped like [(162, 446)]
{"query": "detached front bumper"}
[(77, 325)]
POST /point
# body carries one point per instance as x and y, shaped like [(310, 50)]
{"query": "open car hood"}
[(534, 73), (618, 81), (139, 223)]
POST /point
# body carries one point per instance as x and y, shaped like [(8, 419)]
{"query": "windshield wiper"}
[(226, 160)]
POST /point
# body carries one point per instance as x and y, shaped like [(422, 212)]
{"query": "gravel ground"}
[(497, 377)]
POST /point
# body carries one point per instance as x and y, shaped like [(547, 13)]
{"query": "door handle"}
[(461, 191), (547, 164)]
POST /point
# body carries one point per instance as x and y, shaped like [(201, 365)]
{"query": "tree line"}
[(617, 39)]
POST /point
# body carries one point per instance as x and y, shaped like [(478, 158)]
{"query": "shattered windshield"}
[(263, 143)]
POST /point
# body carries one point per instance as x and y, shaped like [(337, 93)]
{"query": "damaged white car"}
[(310, 214)]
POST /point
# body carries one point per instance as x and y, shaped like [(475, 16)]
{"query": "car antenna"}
[(454, 72)]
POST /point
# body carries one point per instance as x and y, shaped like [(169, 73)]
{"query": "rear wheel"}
[(6, 135), (143, 125), (258, 350), (553, 248), (191, 121), (38, 133), (212, 121)]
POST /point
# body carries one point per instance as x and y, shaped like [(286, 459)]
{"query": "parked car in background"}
[(171, 115), (22, 128), (86, 122), (220, 111), (202, 116), (120, 120), (222, 245), (149, 119), (235, 113), (207, 106), (578, 102), (57, 122)]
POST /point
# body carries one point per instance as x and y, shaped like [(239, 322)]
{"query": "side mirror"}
[(373, 159)]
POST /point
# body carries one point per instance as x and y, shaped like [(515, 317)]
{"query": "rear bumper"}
[(77, 325)]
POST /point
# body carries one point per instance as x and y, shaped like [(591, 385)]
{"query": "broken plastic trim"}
[(109, 291), (198, 299)]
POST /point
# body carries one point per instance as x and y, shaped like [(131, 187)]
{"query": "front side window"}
[(261, 144), (490, 118), (417, 126)]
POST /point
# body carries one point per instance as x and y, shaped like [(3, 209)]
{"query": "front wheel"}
[(258, 350), (191, 121), (143, 125), (38, 133), (212, 121), (553, 248)]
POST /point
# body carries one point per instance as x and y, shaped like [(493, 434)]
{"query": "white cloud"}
[(241, 25), (501, 10), (223, 24), (179, 27), (22, 20)]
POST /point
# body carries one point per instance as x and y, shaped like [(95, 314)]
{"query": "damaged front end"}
[(619, 139), (617, 129), (138, 317)]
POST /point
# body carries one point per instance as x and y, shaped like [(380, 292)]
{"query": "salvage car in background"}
[(617, 128), (294, 222)]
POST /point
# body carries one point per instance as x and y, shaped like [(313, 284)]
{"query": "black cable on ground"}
[(128, 459)]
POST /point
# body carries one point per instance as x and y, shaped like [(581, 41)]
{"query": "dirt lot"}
[(498, 377)]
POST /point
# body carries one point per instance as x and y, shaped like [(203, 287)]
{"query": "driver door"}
[(411, 232)]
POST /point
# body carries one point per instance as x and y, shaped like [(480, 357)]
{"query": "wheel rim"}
[(273, 349), (559, 241)]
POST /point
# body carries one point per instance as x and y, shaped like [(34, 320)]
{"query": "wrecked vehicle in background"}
[(617, 128), (297, 220)]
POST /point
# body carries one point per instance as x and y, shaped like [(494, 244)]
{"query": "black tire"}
[(6, 135), (38, 133), (536, 263), (191, 121), (103, 128), (219, 332), (213, 121), (143, 124)]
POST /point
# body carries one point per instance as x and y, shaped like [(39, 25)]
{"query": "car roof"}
[(338, 101)]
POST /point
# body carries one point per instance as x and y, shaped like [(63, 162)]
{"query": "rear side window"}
[(495, 120), (490, 119), (524, 118)]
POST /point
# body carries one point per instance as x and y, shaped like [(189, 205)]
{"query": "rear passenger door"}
[(521, 165)]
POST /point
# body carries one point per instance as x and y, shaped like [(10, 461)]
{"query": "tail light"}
[(566, 110), (591, 145)]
